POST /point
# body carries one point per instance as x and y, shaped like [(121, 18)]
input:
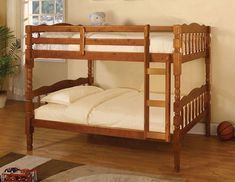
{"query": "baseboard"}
[(200, 129), (15, 97)]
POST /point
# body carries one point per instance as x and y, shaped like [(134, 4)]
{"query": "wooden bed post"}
[(208, 82), (177, 58), (29, 90), (90, 72), (146, 78)]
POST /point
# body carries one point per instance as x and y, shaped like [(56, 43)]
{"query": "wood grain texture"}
[(208, 81), (204, 159), (104, 56), (59, 85), (156, 103), (29, 63), (190, 42), (117, 132), (113, 28), (177, 58), (90, 75), (146, 59), (168, 101), (156, 71)]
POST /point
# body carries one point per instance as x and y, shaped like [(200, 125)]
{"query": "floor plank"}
[(203, 159)]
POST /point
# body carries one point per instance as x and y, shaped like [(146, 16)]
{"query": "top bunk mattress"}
[(159, 42)]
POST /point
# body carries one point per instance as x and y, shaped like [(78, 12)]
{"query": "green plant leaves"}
[(8, 54)]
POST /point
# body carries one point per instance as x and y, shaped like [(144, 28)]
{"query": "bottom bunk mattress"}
[(113, 108)]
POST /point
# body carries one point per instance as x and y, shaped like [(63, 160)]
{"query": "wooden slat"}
[(190, 57), (182, 118), (192, 123), (47, 28), (168, 101), (190, 112), (156, 135), (186, 44), (113, 28), (193, 43), (156, 103), (90, 74), (193, 109), (200, 103), (204, 101), (126, 42), (89, 41), (161, 57), (43, 40), (117, 132), (197, 106), (82, 44), (161, 28), (92, 55), (146, 78), (190, 43), (186, 115), (156, 71)]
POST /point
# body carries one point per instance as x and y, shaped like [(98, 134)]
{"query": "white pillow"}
[(69, 95)]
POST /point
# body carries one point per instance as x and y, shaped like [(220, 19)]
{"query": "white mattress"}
[(115, 108), (159, 42)]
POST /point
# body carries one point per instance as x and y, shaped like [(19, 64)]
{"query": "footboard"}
[(193, 108)]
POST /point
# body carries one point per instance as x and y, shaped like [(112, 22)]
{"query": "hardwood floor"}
[(203, 159)]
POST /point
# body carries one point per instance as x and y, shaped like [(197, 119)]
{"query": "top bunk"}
[(118, 43)]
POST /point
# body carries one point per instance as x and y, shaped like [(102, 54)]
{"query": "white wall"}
[(216, 13), (47, 73)]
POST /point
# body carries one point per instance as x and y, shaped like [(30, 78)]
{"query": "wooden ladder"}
[(156, 103)]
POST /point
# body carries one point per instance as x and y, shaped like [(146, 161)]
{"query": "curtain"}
[(15, 21)]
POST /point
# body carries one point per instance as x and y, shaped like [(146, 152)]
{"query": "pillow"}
[(69, 95)]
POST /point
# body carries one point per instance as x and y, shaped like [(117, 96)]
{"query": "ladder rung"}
[(156, 103), (156, 71), (156, 135)]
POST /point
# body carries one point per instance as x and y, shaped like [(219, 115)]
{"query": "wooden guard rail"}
[(83, 41)]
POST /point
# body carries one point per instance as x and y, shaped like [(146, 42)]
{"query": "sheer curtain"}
[(16, 19)]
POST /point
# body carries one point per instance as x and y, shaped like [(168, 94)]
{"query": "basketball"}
[(225, 131)]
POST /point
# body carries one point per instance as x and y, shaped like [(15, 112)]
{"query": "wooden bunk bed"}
[(191, 42)]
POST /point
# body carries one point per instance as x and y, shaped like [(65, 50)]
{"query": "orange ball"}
[(225, 131)]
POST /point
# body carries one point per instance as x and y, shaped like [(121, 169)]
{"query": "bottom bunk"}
[(116, 112), (75, 106), (112, 108)]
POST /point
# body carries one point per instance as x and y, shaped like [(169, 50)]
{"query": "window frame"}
[(30, 13), (25, 20)]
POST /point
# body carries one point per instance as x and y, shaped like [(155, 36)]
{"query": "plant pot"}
[(3, 98)]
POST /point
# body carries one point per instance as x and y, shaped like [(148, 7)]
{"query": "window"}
[(36, 12), (46, 12)]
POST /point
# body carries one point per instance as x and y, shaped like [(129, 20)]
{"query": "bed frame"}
[(191, 42)]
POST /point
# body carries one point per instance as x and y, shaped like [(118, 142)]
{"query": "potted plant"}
[(8, 60)]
